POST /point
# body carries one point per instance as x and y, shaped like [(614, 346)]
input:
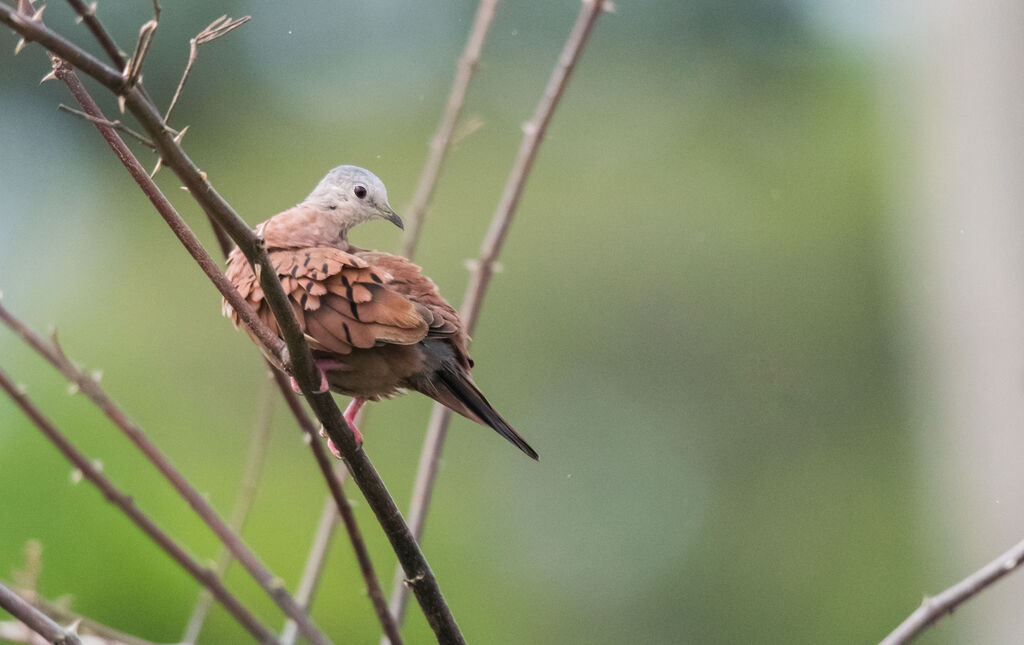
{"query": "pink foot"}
[(350, 418), (334, 450)]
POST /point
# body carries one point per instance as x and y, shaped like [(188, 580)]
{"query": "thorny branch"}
[(124, 502), (483, 268)]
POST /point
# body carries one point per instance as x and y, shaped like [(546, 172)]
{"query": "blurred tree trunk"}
[(962, 257)]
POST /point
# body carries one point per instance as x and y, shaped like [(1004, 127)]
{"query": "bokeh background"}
[(760, 313)]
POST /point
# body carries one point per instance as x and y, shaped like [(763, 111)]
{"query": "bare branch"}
[(124, 502), (88, 385), (934, 608), (246, 496), (35, 619), (219, 27), (297, 360), (464, 69), (120, 127), (533, 133)]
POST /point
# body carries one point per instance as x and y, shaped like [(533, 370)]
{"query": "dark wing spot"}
[(306, 263), (344, 281), (348, 335), (324, 268), (302, 300), (351, 301), (295, 270), (376, 278)]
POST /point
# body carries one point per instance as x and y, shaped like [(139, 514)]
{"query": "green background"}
[(694, 324)]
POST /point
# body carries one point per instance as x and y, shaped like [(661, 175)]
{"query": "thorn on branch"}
[(90, 11)]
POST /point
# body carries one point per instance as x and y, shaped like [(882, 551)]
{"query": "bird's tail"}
[(460, 394)]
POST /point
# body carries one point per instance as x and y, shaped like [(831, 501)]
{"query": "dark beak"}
[(393, 217)]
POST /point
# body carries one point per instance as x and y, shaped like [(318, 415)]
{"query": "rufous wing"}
[(340, 301)]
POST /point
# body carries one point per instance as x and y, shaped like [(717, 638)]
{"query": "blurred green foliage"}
[(692, 325)]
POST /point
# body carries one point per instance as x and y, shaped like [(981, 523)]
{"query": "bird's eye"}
[(360, 191)]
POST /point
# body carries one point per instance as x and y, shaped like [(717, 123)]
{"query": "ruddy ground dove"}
[(376, 325)]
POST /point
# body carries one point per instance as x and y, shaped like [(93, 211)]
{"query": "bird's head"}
[(352, 195)]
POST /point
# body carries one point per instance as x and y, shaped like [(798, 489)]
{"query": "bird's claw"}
[(324, 385)]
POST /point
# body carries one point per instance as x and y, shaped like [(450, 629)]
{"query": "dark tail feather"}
[(463, 390)]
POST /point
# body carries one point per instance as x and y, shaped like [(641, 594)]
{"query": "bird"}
[(375, 324)]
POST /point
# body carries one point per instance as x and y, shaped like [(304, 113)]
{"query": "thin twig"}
[(314, 567), (35, 619), (243, 504), (204, 576), (120, 127), (464, 69), (935, 607), (483, 268), (297, 360), (213, 31), (88, 385)]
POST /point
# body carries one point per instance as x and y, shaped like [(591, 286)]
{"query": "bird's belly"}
[(375, 373)]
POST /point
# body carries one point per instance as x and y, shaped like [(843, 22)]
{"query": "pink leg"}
[(350, 418), (323, 365)]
